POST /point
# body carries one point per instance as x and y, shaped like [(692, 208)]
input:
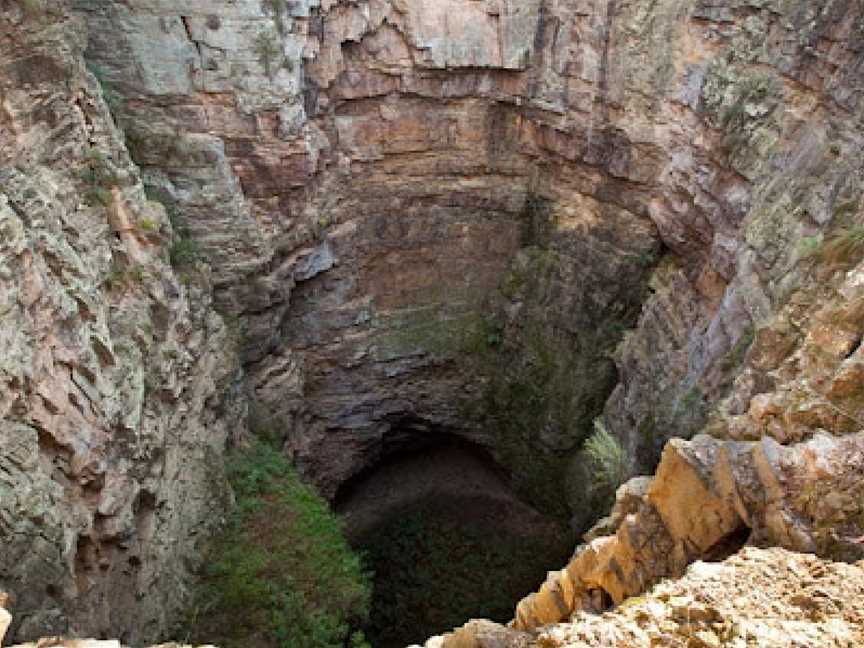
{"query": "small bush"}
[(608, 461), (281, 575), (808, 246), (147, 225), (100, 176), (184, 252), (267, 50), (120, 276)]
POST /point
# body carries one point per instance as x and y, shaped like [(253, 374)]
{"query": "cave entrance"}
[(446, 538)]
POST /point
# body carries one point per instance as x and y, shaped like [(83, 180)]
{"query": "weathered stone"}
[(414, 211), (414, 139), (772, 597), (117, 382), (704, 495)]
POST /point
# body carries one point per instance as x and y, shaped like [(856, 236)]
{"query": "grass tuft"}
[(607, 459)]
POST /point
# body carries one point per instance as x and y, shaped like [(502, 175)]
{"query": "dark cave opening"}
[(445, 536)]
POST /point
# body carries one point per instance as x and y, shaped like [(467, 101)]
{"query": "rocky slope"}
[(490, 218)]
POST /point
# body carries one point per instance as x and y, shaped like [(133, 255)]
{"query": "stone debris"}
[(759, 598), (58, 642)]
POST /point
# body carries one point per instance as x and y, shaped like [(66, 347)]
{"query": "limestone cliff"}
[(421, 212), (495, 219)]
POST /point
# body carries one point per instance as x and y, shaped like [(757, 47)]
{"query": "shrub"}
[(147, 224), (184, 252), (267, 50), (281, 574), (100, 176), (122, 276), (608, 461)]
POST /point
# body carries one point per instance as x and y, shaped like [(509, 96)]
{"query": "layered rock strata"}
[(371, 179), (708, 497), (118, 385), (480, 218)]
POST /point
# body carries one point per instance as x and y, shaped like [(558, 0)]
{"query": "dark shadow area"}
[(446, 538), (728, 545)]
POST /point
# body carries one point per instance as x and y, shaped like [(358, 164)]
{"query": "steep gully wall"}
[(416, 213)]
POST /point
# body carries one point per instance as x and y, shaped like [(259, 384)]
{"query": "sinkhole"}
[(446, 538)]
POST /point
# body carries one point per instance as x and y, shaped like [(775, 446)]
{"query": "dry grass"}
[(844, 247)]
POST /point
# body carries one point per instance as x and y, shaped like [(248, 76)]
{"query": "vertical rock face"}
[(493, 218), (116, 380), (369, 177), (378, 167)]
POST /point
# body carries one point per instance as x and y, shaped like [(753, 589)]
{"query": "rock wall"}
[(497, 219), (372, 179), (118, 384)]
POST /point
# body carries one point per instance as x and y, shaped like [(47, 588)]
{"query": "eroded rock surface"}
[(495, 219), (117, 381), (372, 179), (706, 497), (772, 598)]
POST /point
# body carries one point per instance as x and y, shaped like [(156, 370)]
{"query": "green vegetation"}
[(533, 390), (809, 246), (436, 567), (749, 91), (455, 334), (741, 103), (120, 276), (99, 175), (281, 574), (608, 464), (184, 252), (269, 52), (692, 402), (148, 225)]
